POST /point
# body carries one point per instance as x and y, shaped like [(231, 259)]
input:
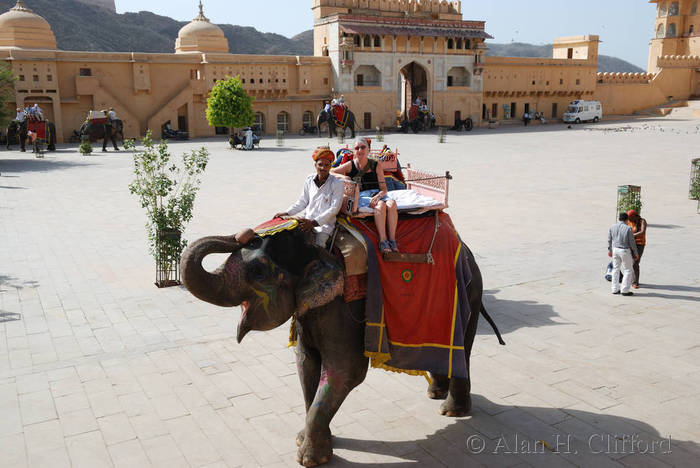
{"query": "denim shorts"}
[(366, 197)]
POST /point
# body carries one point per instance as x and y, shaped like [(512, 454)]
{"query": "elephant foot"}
[(300, 437), (439, 387), (456, 409), (315, 450)]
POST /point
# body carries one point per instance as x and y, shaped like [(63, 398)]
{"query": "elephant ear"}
[(322, 281)]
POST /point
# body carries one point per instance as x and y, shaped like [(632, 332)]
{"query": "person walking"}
[(639, 229), (623, 250)]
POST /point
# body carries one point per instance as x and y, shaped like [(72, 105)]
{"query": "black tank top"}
[(369, 180)]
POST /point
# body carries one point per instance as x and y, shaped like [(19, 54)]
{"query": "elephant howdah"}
[(279, 276)]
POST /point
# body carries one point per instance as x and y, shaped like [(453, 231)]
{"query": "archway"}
[(413, 83)]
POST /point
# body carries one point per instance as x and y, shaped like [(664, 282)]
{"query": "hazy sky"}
[(624, 26)]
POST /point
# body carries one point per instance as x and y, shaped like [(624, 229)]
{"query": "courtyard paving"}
[(100, 368)]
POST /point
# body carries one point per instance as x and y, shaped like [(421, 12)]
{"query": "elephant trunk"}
[(209, 287)]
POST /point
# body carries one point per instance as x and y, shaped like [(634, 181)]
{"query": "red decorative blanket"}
[(416, 311)]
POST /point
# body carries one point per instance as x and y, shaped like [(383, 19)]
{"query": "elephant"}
[(275, 278), (17, 132), (96, 132), (324, 116)]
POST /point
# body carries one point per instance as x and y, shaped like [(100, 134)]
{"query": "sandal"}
[(384, 246), (394, 246)]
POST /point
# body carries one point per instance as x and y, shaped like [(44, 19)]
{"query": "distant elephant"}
[(17, 133), (99, 131), (328, 118), (274, 278)]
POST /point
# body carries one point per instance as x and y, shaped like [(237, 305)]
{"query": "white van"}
[(582, 111)]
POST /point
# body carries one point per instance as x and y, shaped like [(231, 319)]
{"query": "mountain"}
[(606, 63), (93, 25)]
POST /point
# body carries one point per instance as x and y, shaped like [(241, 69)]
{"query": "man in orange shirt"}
[(639, 229)]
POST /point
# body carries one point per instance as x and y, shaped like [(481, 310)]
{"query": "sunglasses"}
[(360, 147)]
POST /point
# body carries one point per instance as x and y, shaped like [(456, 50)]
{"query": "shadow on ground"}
[(12, 282), (510, 315), (38, 165), (500, 435), (9, 317)]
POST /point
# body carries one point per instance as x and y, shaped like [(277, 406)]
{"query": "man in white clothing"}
[(623, 250), (320, 199)]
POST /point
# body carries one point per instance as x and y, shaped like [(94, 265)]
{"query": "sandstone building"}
[(378, 54)]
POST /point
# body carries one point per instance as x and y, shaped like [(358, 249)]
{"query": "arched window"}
[(259, 122), (458, 76), (671, 31), (368, 75), (283, 122), (467, 44), (377, 41), (450, 44), (308, 119), (660, 32), (366, 42), (673, 10), (357, 40), (459, 43), (694, 8), (663, 9)]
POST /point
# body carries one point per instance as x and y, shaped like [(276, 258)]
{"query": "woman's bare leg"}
[(380, 220), (392, 218)]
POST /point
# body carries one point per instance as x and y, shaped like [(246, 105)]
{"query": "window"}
[(663, 9), (325, 81), (357, 40), (554, 110), (694, 8), (35, 77), (561, 81), (20, 77), (494, 110), (458, 76), (570, 53), (513, 110), (527, 108), (459, 43), (85, 72), (308, 119), (283, 122), (691, 28), (49, 77), (366, 42), (673, 10), (450, 44), (660, 31), (360, 81), (260, 122), (578, 81), (534, 82), (377, 41), (671, 31), (467, 44), (368, 75)]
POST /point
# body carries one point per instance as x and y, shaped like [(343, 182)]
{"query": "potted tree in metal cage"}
[(694, 185), (629, 197), (167, 191)]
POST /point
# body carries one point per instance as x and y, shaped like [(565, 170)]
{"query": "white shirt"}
[(112, 115), (21, 116), (321, 204)]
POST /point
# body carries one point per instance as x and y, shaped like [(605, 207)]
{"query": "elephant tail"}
[(492, 323)]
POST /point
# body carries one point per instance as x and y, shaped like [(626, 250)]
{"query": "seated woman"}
[(372, 193)]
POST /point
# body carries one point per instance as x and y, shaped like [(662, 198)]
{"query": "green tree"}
[(7, 94), (229, 105)]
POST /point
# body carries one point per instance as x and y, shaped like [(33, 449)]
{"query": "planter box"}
[(168, 258)]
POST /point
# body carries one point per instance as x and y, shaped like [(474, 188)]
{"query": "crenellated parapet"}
[(406, 7), (678, 61), (625, 78)]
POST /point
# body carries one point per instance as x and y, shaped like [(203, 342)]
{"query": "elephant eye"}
[(257, 271)]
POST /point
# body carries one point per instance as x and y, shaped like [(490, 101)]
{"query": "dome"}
[(20, 27), (201, 36)]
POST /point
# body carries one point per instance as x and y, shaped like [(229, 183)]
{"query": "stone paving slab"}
[(100, 368)]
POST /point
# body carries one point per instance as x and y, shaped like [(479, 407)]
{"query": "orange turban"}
[(323, 152)]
